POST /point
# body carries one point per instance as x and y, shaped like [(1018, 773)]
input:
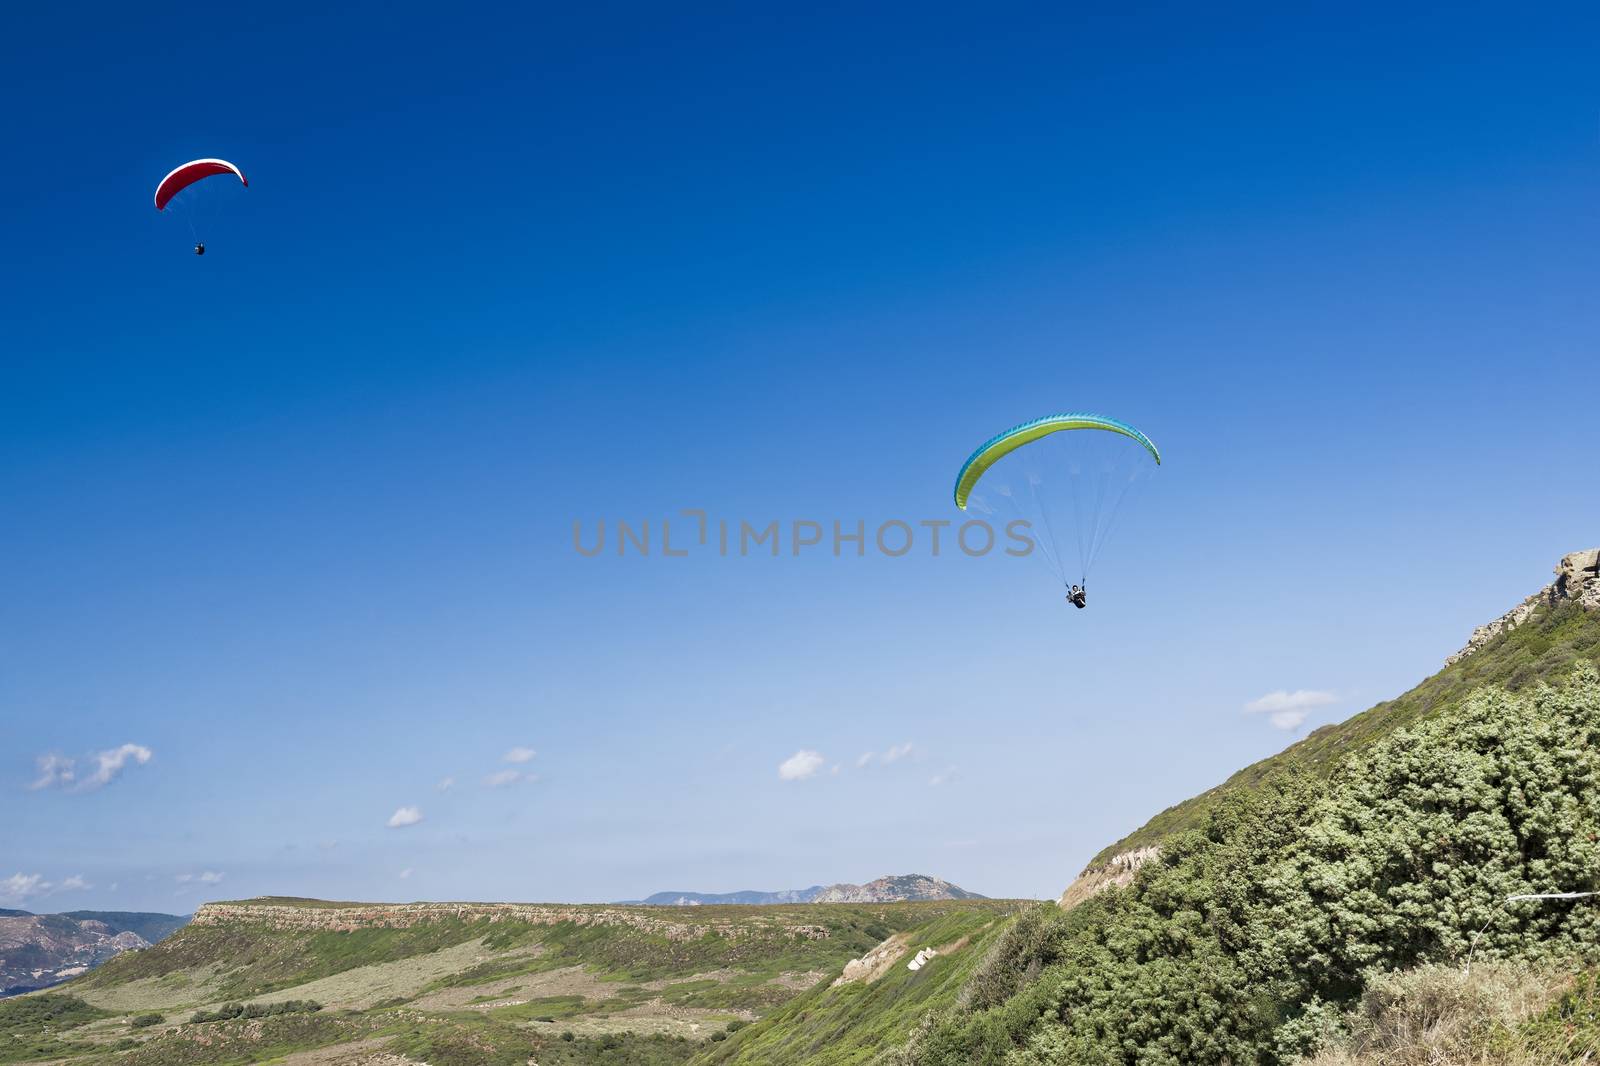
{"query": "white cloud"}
[(1287, 710), (801, 765), (502, 778), (446, 784), (1283, 700), (205, 877), (405, 816), (520, 755), (895, 753), (55, 771), (405, 875), (61, 771), (21, 887), (108, 764), (944, 777)]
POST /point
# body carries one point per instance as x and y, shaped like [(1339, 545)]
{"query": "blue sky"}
[(287, 530)]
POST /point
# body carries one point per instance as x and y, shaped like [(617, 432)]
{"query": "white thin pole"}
[(1517, 899)]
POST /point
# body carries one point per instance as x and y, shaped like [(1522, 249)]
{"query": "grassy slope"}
[(258, 960), (1542, 648), (41, 1026), (853, 1023)]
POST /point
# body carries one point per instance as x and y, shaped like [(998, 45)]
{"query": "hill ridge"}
[(324, 916)]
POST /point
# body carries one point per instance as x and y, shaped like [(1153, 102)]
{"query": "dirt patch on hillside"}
[(722, 976), (796, 981), (652, 1018)]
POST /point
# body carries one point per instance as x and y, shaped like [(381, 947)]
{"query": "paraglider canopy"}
[(194, 170), (996, 448), (1066, 477)]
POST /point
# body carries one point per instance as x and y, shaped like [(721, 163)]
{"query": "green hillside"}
[(855, 1022), (1543, 647), (321, 982)]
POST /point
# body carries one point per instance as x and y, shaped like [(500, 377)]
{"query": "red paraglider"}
[(191, 172)]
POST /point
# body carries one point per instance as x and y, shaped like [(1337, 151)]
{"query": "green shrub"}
[(230, 1011), (1246, 942), (144, 1021)]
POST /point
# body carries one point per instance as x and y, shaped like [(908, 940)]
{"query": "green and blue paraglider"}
[(1069, 471)]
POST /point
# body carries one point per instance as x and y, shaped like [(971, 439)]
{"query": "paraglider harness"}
[(1079, 596)]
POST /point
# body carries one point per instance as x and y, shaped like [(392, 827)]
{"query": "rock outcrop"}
[(1113, 873), (875, 963), (1577, 579)]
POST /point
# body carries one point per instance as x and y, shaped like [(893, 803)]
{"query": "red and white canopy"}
[(191, 172)]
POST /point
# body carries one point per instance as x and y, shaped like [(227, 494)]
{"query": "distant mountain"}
[(903, 888), (149, 925), (895, 889), (40, 950), (750, 897)]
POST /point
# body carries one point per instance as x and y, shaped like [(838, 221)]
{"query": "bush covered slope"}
[(1250, 937)]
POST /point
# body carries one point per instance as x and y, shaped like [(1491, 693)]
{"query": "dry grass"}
[(511, 991), (1444, 1016)]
